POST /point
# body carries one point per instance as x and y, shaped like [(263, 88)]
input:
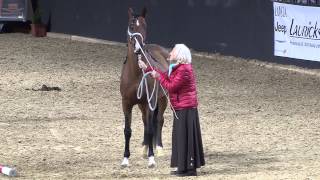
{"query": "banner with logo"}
[(296, 31)]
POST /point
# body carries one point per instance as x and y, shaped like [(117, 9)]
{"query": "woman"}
[(187, 149)]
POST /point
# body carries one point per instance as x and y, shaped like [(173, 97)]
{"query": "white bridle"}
[(133, 35)]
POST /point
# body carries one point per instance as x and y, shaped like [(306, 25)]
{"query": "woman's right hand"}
[(142, 65), (155, 74)]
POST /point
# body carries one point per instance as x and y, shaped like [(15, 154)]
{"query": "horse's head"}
[(137, 29)]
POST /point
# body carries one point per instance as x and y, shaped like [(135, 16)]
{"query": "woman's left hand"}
[(142, 65), (155, 74)]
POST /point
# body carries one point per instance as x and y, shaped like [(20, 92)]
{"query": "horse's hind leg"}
[(150, 133), (155, 126), (162, 105), (148, 117), (127, 110), (144, 108)]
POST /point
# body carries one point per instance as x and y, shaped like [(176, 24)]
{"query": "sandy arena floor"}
[(257, 122)]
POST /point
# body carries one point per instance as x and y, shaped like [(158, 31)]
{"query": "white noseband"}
[(131, 35)]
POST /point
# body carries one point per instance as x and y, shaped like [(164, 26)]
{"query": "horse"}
[(130, 81)]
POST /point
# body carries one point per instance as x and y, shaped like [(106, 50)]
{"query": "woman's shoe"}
[(173, 172), (176, 172), (192, 172)]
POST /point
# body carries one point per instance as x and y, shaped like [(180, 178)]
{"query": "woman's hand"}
[(155, 74), (142, 65)]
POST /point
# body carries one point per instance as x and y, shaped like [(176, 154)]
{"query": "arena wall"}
[(241, 28)]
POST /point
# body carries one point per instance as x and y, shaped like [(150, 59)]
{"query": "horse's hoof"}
[(152, 162), (151, 165), (145, 152), (159, 151), (125, 163)]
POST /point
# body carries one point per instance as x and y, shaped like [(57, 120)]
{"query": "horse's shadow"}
[(239, 163)]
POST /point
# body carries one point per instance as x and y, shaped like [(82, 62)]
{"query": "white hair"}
[(183, 54)]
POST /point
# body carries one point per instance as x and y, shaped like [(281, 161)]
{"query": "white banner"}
[(296, 31)]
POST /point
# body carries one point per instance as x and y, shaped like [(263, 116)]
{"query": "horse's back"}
[(157, 48)]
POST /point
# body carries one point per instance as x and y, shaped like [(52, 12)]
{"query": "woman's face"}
[(172, 55)]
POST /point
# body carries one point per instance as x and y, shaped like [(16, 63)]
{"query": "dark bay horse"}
[(131, 76)]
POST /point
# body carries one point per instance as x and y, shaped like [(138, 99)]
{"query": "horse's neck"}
[(157, 56)]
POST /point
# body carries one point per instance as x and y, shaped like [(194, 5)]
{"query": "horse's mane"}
[(157, 56)]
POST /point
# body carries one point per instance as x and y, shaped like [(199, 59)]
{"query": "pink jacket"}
[(181, 86)]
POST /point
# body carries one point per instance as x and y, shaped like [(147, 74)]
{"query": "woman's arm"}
[(173, 83), (146, 68)]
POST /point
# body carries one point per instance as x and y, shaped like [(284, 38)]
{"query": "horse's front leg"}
[(127, 110)]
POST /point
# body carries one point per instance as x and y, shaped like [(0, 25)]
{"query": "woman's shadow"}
[(239, 163)]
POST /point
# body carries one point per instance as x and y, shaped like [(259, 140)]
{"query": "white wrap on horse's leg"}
[(125, 162), (152, 162)]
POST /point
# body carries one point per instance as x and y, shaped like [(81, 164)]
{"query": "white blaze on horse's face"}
[(136, 34), (136, 47)]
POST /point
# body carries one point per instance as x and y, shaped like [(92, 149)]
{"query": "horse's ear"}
[(130, 12), (144, 12)]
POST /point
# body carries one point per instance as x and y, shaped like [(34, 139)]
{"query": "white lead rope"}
[(149, 97), (139, 92)]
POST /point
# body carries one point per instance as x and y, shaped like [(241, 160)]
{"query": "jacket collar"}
[(172, 68)]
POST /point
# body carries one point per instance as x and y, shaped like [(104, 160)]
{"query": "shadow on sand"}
[(239, 163)]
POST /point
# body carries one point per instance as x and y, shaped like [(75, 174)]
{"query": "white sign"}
[(296, 31)]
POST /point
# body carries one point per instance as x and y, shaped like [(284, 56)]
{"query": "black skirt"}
[(187, 149)]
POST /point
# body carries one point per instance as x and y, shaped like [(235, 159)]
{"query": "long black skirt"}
[(187, 149)]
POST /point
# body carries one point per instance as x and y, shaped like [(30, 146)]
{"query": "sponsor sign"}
[(296, 31)]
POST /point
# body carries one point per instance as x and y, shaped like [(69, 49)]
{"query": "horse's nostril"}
[(137, 51)]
